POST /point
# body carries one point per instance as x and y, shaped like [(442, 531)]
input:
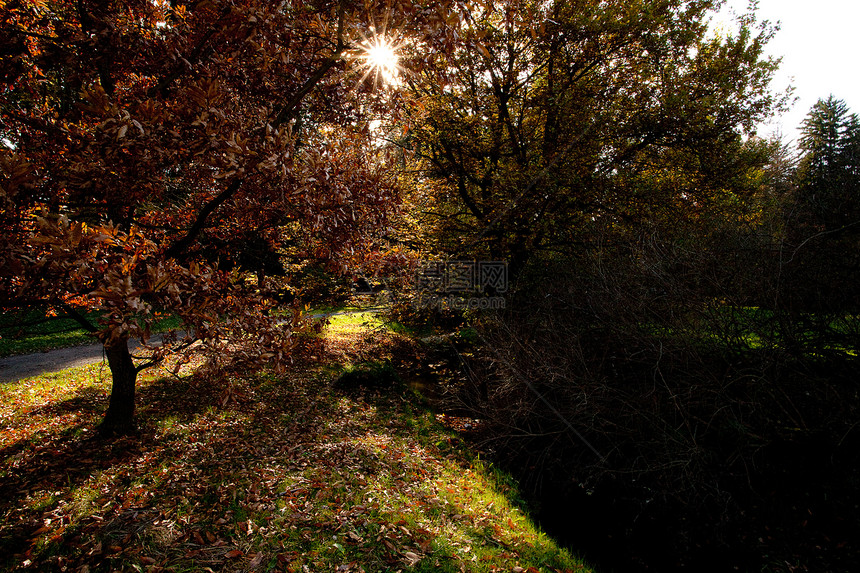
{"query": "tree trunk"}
[(119, 418)]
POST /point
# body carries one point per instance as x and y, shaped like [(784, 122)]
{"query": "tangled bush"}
[(641, 372)]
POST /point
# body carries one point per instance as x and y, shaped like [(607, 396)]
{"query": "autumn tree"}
[(154, 154), (556, 118)]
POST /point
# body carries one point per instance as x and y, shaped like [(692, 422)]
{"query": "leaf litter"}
[(255, 472)]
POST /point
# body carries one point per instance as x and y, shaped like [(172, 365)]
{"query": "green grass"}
[(29, 331), (743, 329), (285, 474), (752, 328), (354, 321), (331, 309)]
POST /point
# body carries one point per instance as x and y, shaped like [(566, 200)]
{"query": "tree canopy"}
[(554, 118), (154, 152)]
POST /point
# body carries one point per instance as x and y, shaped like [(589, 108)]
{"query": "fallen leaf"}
[(255, 562)]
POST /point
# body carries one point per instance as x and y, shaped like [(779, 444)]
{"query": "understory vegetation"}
[(716, 436)]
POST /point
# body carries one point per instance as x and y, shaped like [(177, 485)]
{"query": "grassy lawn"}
[(255, 472), (26, 332)]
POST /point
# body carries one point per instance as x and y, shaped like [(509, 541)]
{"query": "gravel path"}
[(16, 367)]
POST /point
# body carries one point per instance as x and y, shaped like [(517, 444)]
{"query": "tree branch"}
[(163, 86), (288, 110), (77, 317), (286, 113), (179, 246), (101, 60)]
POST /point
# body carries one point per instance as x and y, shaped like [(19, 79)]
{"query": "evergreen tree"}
[(851, 150), (826, 234), (830, 165)]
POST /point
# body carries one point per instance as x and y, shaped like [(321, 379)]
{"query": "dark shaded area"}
[(682, 401), (798, 510), (727, 438), (376, 374)]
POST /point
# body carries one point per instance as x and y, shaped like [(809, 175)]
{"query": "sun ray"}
[(379, 58)]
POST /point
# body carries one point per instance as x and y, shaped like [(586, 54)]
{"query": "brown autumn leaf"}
[(412, 558), (256, 561)]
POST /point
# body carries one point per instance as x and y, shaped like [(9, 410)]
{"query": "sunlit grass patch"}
[(353, 323), (52, 402)]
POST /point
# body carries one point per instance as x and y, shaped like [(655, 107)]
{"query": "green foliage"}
[(823, 229), (560, 120), (829, 173)]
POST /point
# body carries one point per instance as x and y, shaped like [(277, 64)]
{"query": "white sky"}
[(819, 42)]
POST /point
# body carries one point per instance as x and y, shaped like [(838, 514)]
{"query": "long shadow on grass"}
[(192, 462), (66, 459), (77, 449), (196, 455)]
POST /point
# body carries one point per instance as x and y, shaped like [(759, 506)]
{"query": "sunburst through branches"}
[(380, 60)]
